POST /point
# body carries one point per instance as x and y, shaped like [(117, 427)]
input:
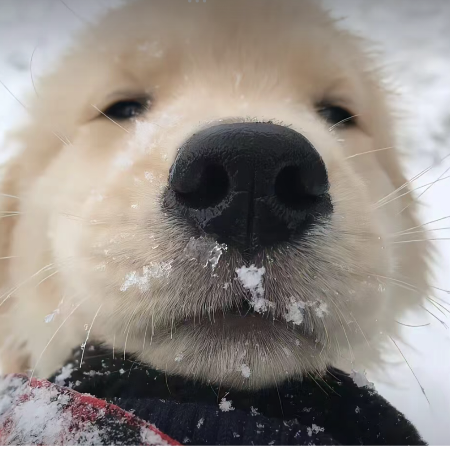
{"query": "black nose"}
[(249, 185)]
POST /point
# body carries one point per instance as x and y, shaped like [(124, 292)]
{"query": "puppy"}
[(214, 188)]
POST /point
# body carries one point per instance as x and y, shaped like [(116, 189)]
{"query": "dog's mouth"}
[(210, 284), (244, 316), (244, 319)]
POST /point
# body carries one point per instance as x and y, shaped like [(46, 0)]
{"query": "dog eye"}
[(126, 109), (336, 115)]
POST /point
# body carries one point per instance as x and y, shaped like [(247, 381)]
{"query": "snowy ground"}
[(413, 39)]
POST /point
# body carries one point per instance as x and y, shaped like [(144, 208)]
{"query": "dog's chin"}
[(241, 349)]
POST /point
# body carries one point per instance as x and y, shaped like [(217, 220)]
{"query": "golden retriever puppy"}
[(214, 188)]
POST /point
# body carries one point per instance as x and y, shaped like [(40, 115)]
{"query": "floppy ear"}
[(17, 176), (9, 204), (37, 147)]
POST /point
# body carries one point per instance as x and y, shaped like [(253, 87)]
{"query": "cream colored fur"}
[(90, 210)]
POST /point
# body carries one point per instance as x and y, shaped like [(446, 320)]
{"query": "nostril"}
[(292, 189), (211, 188)]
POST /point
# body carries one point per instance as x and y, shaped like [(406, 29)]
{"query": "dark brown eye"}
[(335, 115), (127, 109)]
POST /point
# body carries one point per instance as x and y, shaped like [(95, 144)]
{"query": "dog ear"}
[(9, 204), (37, 145), (38, 140)]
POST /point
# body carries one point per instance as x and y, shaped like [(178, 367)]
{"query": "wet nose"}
[(250, 185)]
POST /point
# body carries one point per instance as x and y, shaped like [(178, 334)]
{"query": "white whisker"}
[(370, 151), (342, 121), (12, 94), (446, 291), (109, 118), (47, 277), (6, 296), (435, 303), (65, 142), (86, 22), (127, 330), (10, 215), (53, 336), (414, 178), (276, 386), (153, 332), (410, 368), (11, 292), (327, 337), (167, 381), (413, 326), (409, 192), (26, 109), (441, 177), (9, 196), (318, 374), (338, 347), (88, 334), (145, 335), (411, 287), (420, 240), (339, 315), (360, 329), (427, 223), (319, 386), (31, 71), (401, 233), (436, 317)]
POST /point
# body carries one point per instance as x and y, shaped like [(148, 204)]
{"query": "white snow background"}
[(413, 38)]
